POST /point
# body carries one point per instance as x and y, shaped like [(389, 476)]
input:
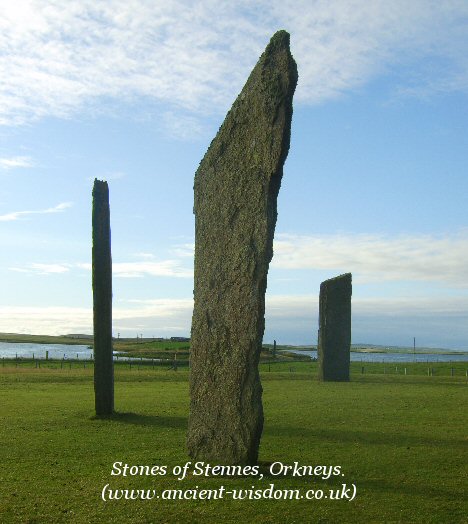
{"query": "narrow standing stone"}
[(102, 301), (335, 328), (236, 189)]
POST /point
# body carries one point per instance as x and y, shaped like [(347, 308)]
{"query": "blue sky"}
[(133, 92)]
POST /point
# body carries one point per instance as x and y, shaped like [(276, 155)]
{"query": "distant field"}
[(43, 339), (401, 439)]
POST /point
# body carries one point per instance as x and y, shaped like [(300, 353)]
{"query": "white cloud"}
[(181, 126), (154, 308), (435, 322), (184, 250), (342, 45), (370, 258), (163, 317), (43, 269), (84, 265), (56, 58), (16, 215), (298, 306), (289, 319), (15, 162), (164, 268), (46, 320), (374, 258)]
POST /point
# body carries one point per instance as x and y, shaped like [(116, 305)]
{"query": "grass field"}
[(401, 439), (42, 339)]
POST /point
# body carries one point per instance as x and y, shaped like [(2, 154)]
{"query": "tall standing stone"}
[(236, 189), (102, 301), (334, 342)]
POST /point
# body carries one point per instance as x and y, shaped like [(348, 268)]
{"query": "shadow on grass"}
[(138, 419)]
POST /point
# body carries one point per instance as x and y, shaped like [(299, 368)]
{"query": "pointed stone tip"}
[(281, 37), (280, 40)]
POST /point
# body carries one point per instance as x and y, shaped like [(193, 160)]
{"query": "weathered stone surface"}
[(335, 328), (102, 301), (236, 189)]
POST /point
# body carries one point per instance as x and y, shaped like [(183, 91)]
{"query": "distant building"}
[(180, 339)]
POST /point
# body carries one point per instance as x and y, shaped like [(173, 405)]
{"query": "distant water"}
[(24, 350), (395, 357), (56, 351), (81, 352)]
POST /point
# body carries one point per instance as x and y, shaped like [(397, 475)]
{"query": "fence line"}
[(451, 369)]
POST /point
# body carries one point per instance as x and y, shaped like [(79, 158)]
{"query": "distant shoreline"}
[(85, 339), (375, 348)]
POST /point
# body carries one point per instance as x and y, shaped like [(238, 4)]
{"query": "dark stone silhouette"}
[(236, 188), (102, 301), (335, 328)]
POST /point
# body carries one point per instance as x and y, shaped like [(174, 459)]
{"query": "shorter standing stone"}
[(335, 328)]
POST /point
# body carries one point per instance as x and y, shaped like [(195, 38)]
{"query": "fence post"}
[(362, 370), (405, 371)]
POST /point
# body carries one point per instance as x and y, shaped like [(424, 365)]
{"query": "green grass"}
[(153, 349), (43, 339), (400, 439), (298, 368)]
